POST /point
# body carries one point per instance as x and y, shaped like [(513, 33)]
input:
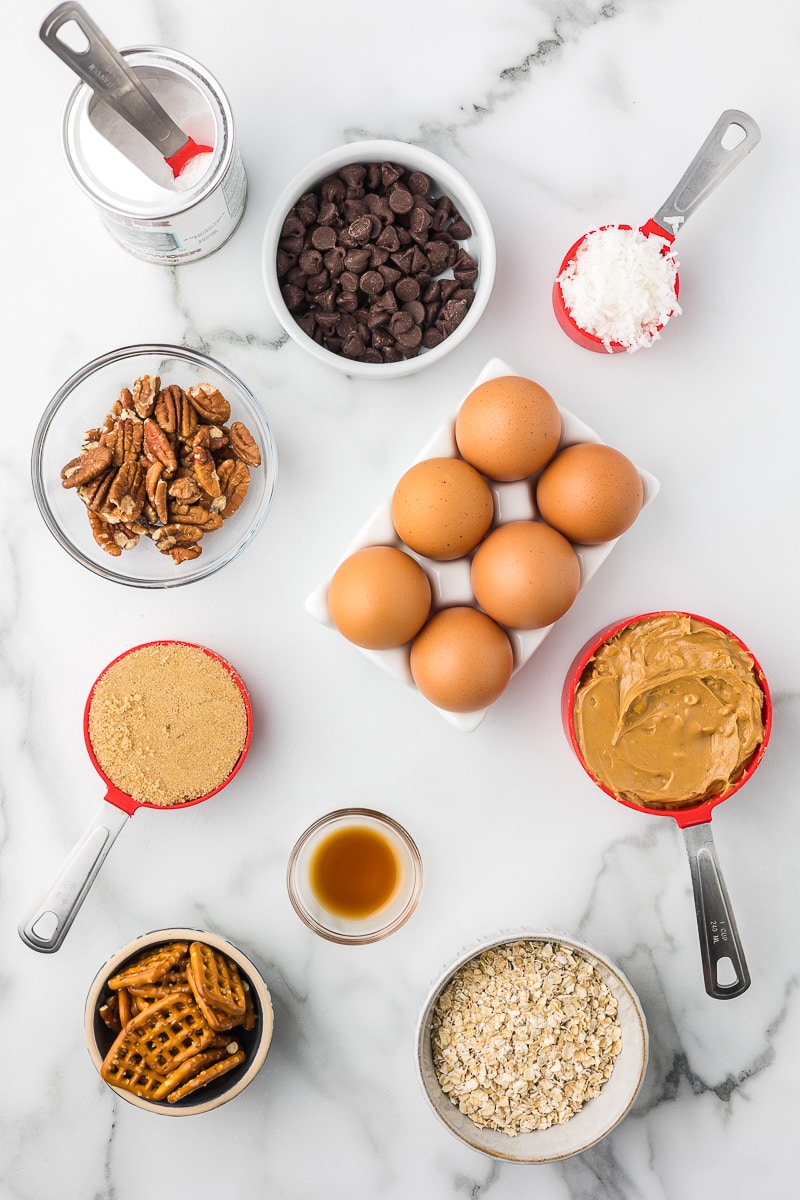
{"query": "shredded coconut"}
[(620, 286)]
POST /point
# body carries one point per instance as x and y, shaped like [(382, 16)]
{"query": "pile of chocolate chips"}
[(364, 263)]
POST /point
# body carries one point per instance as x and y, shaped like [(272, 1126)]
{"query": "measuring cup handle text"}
[(724, 968)]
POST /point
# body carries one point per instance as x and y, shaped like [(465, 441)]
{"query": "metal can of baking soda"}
[(157, 217)]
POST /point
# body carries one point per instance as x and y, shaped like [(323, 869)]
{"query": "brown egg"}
[(525, 575), (442, 507), (508, 427), (589, 492), (379, 597), (461, 660)]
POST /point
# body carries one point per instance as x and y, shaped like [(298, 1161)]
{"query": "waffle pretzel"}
[(208, 1076), (168, 1031), (151, 967), (217, 980), (124, 1068)]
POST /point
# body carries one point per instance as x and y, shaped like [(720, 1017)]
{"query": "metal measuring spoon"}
[(46, 926), (105, 70), (712, 163)]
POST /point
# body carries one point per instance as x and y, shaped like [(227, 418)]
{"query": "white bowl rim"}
[(508, 1148), (449, 179), (179, 934)]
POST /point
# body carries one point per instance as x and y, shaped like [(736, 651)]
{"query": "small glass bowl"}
[(385, 920), (446, 180), (83, 402), (255, 1043)]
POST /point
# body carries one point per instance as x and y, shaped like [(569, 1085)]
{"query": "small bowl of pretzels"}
[(178, 1022)]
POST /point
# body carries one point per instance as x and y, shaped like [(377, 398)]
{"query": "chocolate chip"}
[(400, 200), (323, 238), (407, 289), (371, 282)]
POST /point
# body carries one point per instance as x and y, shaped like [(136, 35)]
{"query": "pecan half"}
[(127, 494), (145, 392), (167, 407), (158, 446), (234, 478), (156, 489), (86, 467), (209, 402), (104, 535), (206, 471), (244, 445)]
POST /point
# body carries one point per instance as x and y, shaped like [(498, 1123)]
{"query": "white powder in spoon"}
[(620, 286)]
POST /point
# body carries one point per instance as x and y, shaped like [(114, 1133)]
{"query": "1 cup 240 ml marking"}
[(354, 872)]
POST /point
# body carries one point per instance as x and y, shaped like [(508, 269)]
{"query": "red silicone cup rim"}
[(569, 325), (693, 814), (121, 799)]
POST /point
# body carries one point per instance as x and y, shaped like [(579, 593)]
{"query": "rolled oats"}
[(523, 1035)]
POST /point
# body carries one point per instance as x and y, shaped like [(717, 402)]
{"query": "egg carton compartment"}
[(450, 581)]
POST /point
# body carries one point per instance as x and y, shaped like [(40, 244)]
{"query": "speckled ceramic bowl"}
[(255, 1043), (598, 1117)]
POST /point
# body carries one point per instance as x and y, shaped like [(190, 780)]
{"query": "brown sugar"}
[(167, 723)]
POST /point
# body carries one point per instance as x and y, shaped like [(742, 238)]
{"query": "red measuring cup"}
[(47, 924), (715, 159), (720, 947)]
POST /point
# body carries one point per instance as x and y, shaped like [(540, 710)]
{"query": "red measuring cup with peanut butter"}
[(167, 725), (670, 714)]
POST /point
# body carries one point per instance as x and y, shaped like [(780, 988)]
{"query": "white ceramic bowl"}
[(598, 1117), (445, 181), (82, 403), (256, 1043)]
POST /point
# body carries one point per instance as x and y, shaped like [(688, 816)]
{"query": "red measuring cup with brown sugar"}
[(138, 714), (725, 969)]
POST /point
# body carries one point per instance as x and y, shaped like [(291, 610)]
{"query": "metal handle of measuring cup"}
[(719, 937), (712, 163), (46, 926), (105, 70)]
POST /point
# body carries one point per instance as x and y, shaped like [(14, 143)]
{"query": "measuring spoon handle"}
[(108, 74), (719, 937), (46, 926), (712, 163)]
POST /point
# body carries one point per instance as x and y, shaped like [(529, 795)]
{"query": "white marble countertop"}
[(563, 116)]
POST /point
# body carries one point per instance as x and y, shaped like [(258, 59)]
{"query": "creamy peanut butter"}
[(669, 712)]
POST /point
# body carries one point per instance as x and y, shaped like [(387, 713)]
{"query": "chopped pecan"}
[(209, 403), (158, 446), (244, 445), (184, 487), (86, 467), (145, 392), (234, 478)]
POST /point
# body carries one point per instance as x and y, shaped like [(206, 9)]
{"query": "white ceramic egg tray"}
[(450, 581)]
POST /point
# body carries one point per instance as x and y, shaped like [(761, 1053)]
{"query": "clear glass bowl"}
[(386, 919), (83, 402)]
